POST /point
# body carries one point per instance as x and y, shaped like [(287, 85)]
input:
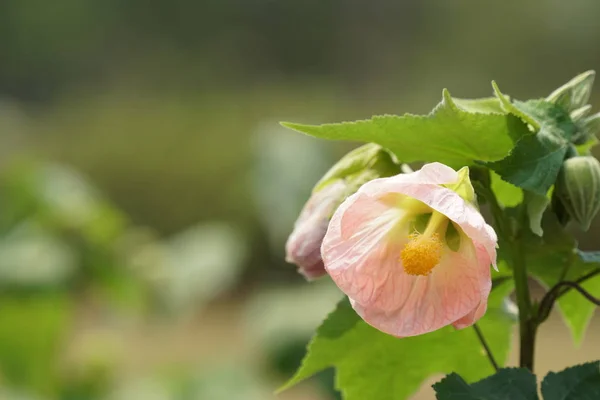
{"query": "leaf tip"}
[(446, 94), (447, 99), (289, 125), (589, 74), (497, 91), (307, 129)]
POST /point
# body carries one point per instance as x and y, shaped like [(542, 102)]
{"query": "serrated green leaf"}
[(512, 109), (507, 383), (581, 382), (534, 162), (553, 258), (487, 105), (549, 115), (373, 365), (536, 159), (449, 134)]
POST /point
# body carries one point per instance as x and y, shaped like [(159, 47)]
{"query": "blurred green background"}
[(146, 189)]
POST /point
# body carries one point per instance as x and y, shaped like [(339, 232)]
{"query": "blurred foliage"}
[(170, 109), (31, 329), (66, 250)]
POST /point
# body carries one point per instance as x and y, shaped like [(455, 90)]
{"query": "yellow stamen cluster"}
[(421, 254)]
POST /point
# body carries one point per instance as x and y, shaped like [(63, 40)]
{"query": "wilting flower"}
[(303, 247), (361, 165), (412, 252)]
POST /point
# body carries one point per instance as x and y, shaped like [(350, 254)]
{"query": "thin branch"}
[(488, 351), (581, 280), (582, 291), (560, 289)]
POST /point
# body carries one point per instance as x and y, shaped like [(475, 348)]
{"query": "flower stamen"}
[(421, 254)]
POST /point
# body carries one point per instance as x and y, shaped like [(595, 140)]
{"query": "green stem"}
[(511, 235), (527, 325), (527, 320), (486, 347)]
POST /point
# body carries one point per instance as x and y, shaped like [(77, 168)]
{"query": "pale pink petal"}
[(424, 185), (456, 209), (361, 252), (451, 291), (485, 286), (357, 255), (303, 246), (429, 174)]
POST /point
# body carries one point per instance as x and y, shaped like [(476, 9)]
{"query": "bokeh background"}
[(146, 189)]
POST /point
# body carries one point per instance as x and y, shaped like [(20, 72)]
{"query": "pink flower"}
[(411, 254), (303, 247)]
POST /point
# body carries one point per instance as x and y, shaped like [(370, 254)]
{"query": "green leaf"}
[(581, 382), (453, 133), (585, 148), (575, 309), (591, 124), (31, 329), (487, 105), (507, 194), (534, 162), (547, 114), (580, 112), (536, 205), (575, 93), (508, 383), (536, 159), (554, 258), (512, 109), (373, 365)]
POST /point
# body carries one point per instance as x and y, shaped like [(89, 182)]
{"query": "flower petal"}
[(451, 291), (486, 287), (355, 250), (362, 246), (303, 246), (456, 209), (429, 174)]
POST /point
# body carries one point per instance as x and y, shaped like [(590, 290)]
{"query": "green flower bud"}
[(578, 189), (581, 112), (591, 124), (360, 166), (587, 128), (356, 168), (575, 93)]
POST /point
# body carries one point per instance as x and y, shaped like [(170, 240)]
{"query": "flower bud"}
[(591, 124), (303, 247), (575, 93), (578, 188), (581, 112), (361, 165)]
